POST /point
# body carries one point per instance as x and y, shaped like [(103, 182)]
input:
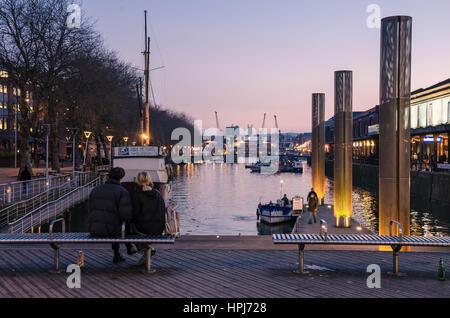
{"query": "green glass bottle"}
[(441, 270)]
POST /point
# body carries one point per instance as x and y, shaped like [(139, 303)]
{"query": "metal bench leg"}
[(56, 249), (148, 255), (396, 252), (301, 260)]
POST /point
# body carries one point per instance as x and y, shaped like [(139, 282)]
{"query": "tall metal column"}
[(343, 143), (395, 93), (318, 145)]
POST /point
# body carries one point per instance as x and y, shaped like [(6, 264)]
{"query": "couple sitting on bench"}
[(111, 204)]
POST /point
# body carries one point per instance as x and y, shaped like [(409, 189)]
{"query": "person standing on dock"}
[(313, 205), (25, 177), (110, 205), (286, 201)]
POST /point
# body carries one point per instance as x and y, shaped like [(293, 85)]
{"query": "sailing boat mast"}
[(146, 118)]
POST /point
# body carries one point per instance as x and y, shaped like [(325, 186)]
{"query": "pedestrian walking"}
[(313, 205), (25, 177)]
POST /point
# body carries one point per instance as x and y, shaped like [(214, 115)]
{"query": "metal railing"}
[(17, 210), (19, 191), (53, 209)]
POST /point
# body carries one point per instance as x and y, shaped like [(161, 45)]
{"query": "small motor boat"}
[(275, 213)]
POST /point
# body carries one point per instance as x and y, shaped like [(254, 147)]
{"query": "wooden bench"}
[(394, 241), (56, 240)]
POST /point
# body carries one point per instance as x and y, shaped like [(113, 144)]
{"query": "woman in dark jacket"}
[(149, 209)]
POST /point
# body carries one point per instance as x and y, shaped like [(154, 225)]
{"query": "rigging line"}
[(160, 56), (155, 39), (153, 93)]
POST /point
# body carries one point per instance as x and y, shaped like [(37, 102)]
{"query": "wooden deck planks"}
[(220, 273)]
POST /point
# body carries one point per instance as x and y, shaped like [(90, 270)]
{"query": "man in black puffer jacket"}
[(109, 206)]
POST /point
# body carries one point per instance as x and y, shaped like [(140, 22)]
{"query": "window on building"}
[(414, 116), (448, 113), (430, 115), (423, 116)]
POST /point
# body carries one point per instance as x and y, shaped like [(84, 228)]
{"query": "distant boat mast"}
[(146, 119)]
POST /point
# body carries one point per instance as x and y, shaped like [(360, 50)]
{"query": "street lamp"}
[(87, 134), (146, 138), (110, 139), (281, 188), (126, 140), (74, 134)]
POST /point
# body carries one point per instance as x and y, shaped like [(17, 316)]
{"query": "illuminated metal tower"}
[(318, 145), (395, 93), (343, 151)]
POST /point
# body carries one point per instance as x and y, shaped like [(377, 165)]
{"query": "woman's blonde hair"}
[(143, 179)]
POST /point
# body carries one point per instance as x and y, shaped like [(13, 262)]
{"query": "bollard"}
[(8, 195)]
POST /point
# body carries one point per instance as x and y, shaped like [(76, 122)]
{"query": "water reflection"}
[(221, 199)]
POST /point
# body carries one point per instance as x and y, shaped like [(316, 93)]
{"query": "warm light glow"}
[(110, 138), (144, 136), (87, 134), (125, 139)]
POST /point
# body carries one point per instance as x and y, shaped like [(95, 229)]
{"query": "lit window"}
[(448, 113)]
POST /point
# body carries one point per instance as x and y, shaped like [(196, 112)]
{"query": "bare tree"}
[(37, 50)]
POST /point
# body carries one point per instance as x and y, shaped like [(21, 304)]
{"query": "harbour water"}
[(221, 199)]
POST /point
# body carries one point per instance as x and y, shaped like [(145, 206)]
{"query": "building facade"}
[(430, 129)]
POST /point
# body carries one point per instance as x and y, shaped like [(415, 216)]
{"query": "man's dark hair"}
[(117, 174)]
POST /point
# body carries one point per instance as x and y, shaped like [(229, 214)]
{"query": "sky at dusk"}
[(244, 58)]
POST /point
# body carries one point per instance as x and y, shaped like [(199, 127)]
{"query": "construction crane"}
[(264, 121), (217, 120), (276, 122)]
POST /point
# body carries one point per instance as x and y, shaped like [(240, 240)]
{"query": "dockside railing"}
[(13, 192), (52, 210)]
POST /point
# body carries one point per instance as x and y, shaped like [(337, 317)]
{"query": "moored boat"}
[(275, 213), (137, 159)]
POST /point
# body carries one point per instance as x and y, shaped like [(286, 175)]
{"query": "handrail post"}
[(324, 229), (400, 231), (52, 224)]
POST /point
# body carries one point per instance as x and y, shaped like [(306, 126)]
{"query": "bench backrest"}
[(360, 239)]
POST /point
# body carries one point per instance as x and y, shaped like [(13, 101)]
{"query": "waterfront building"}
[(430, 129), (430, 125)]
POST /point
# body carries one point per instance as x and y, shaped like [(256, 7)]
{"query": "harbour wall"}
[(428, 186)]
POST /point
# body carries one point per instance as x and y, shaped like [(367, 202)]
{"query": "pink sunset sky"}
[(244, 58)]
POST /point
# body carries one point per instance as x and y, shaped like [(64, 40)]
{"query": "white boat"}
[(275, 213), (138, 159)]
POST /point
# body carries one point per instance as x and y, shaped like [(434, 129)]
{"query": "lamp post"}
[(87, 134), (110, 139), (281, 188), (126, 140), (15, 137), (47, 153), (74, 134)]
